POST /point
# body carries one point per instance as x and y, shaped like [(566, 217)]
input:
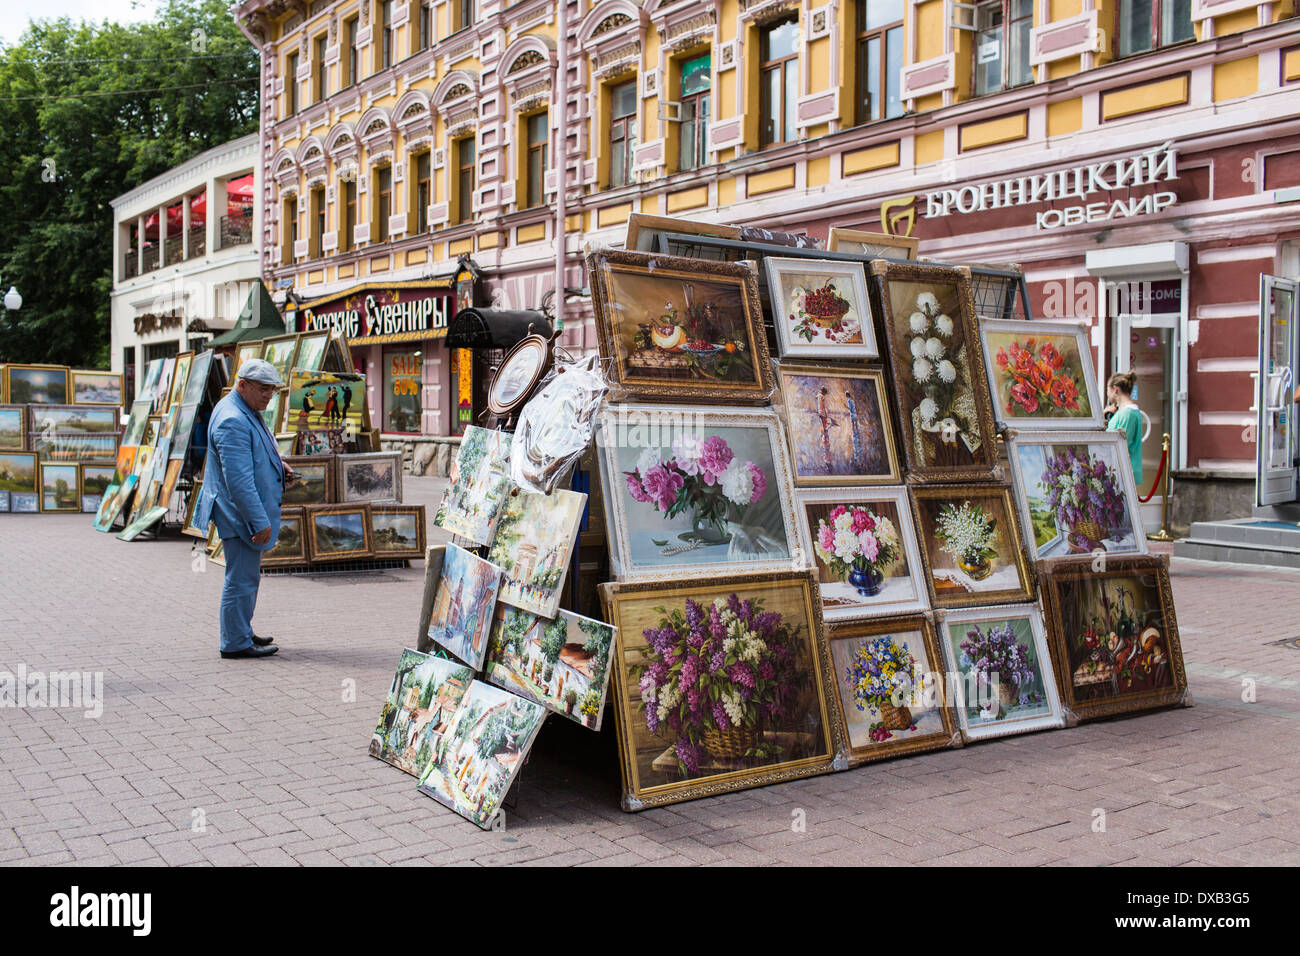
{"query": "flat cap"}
[(260, 370)]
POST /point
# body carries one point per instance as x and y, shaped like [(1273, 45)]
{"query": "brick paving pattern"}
[(196, 760)]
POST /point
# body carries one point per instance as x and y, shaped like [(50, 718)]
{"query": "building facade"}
[(185, 255), (1138, 158)]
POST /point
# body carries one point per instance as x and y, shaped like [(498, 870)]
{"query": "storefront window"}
[(402, 378)]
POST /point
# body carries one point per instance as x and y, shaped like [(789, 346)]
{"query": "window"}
[(402, 410), (423, 191), (317, 220), (1147, 24), (320, 73), (880, 59), (386, 35), (288, 227), (350, 38), (291, 84), (383, 203), (779, 81), (463, 14), (693, 131), (538, 137), (465, 161), (349, 214), (622, 132), (1002, 45), (424, 34)]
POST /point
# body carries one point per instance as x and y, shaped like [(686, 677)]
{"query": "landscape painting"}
[(480, 478), (110, 506), (839, 425), (290, 544), (422, 700), (561, 664), (74, 419), (314, 481), (398, 530), (532, 546), (472, 764), (464, 604), (13, 430), (337, 533), (97, 388), (60, 487), (18, 472), (36, 384), (370, 477)]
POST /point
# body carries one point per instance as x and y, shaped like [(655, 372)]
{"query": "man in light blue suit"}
[(243, 482)]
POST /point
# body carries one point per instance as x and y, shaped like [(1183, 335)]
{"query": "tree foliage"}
[(90, 111)]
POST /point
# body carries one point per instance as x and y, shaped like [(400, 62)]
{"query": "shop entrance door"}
[(1148, 346), (1276, 447)]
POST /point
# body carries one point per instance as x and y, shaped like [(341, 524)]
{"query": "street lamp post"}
[(13, 301)]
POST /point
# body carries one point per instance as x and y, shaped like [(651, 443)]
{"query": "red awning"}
[(239, 196)]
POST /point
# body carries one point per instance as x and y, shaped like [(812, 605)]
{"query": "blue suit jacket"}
[(243, 480)]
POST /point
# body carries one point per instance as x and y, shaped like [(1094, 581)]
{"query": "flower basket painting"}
[(1077, 494), (821, 308), (680, 329), (971, 545), (1040, 374), (480, 478), (1004, 682), (889, 687), (937, 363), (1114, 635), (839, 427), (712, 490), (719, 686), (532, 545), (864, 549), (421, 702)]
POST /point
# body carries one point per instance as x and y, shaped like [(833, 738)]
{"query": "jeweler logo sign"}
[(77, 909), (73, 690)]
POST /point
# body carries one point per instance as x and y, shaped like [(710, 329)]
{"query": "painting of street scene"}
[(463, 606), (473, 764), (561, 664), (534, 539), (324, 400), (480, 478), (420, 706)]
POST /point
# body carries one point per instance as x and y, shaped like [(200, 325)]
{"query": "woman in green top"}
[(1127, 418)]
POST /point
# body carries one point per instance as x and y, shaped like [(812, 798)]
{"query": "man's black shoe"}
[(253, 651), (263, 641)]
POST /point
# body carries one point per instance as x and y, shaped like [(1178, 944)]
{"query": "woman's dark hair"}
[(1124, 381)]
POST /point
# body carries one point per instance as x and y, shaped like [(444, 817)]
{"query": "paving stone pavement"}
[(196, 760)]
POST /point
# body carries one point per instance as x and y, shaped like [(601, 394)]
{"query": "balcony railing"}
[(236, 230), (131, 264), (150, 257), (198, 241), (174, 250)]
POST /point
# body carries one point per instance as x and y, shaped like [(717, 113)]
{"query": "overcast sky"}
[(15, 14)]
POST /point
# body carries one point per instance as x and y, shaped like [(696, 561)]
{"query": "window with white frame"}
[(1002, 45), (1148, 24), (693, 131), (622, 132), (879, 33)]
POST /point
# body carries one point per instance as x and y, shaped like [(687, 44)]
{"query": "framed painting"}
[(273, 414), (937, 370), (422, 701), (1076, 494), (136, 423), (60, 487), (688, 489), (1002, 681), (821, 308), (187, 526), (338, 532), (473, 764), (287, 443), (889, 697), (464, 604), (290, 546), (75, 420), (19, 472), (321, 401), (280, 352), (315, 482), (864, 551), (180, 378), (518, 375), (480, 479), (113, 502), (95, 482), (562, 664), (216, 547), (375, 476), (970, 545), (36, 384), (196, 386), (768, 717), (875, 245), (311, 352), (23, 503), (162, 393), (13, 428), (839, 424), (183, 430), (642, 228), (170, 477), (96, 388), (246, 351), (532, 546), (397, 530), (681, 330), (1114, 636), (1041, 374)]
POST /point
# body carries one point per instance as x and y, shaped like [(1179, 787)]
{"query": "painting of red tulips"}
[(1040, 374)]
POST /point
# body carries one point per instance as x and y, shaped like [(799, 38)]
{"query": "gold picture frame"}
[(288, 552), (60, 471), (641, 228), (800, 411), (314, 516), (81, 377), (875, 245), (383, 531), (57, 373)]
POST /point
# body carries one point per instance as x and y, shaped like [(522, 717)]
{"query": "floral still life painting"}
[(971, 545), (421, 702), (480, 478), (889, 687), (464, 604), (532, 545), (1040, 374), (472, 765), (561, 664), (839, 426), (720, 685), (1077, 494), (821, 308)]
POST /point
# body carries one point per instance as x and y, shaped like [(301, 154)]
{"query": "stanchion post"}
[(1163, 534)]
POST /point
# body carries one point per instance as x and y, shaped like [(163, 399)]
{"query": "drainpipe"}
[(561, 161)]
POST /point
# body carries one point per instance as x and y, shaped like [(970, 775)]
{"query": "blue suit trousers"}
[(239, 594)]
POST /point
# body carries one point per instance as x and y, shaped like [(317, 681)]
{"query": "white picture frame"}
[(812, 336), (993, 336)]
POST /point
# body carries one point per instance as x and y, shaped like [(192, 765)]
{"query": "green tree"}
[(599, 636), (91, 110), (554, 637)]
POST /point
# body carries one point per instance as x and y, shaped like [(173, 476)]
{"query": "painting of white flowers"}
[(685, 490), (821, 308), (938, 364)]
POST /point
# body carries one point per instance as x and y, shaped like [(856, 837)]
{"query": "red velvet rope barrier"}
[(1164, 456)]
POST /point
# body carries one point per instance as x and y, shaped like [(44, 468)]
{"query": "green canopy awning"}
[(259, 319)]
